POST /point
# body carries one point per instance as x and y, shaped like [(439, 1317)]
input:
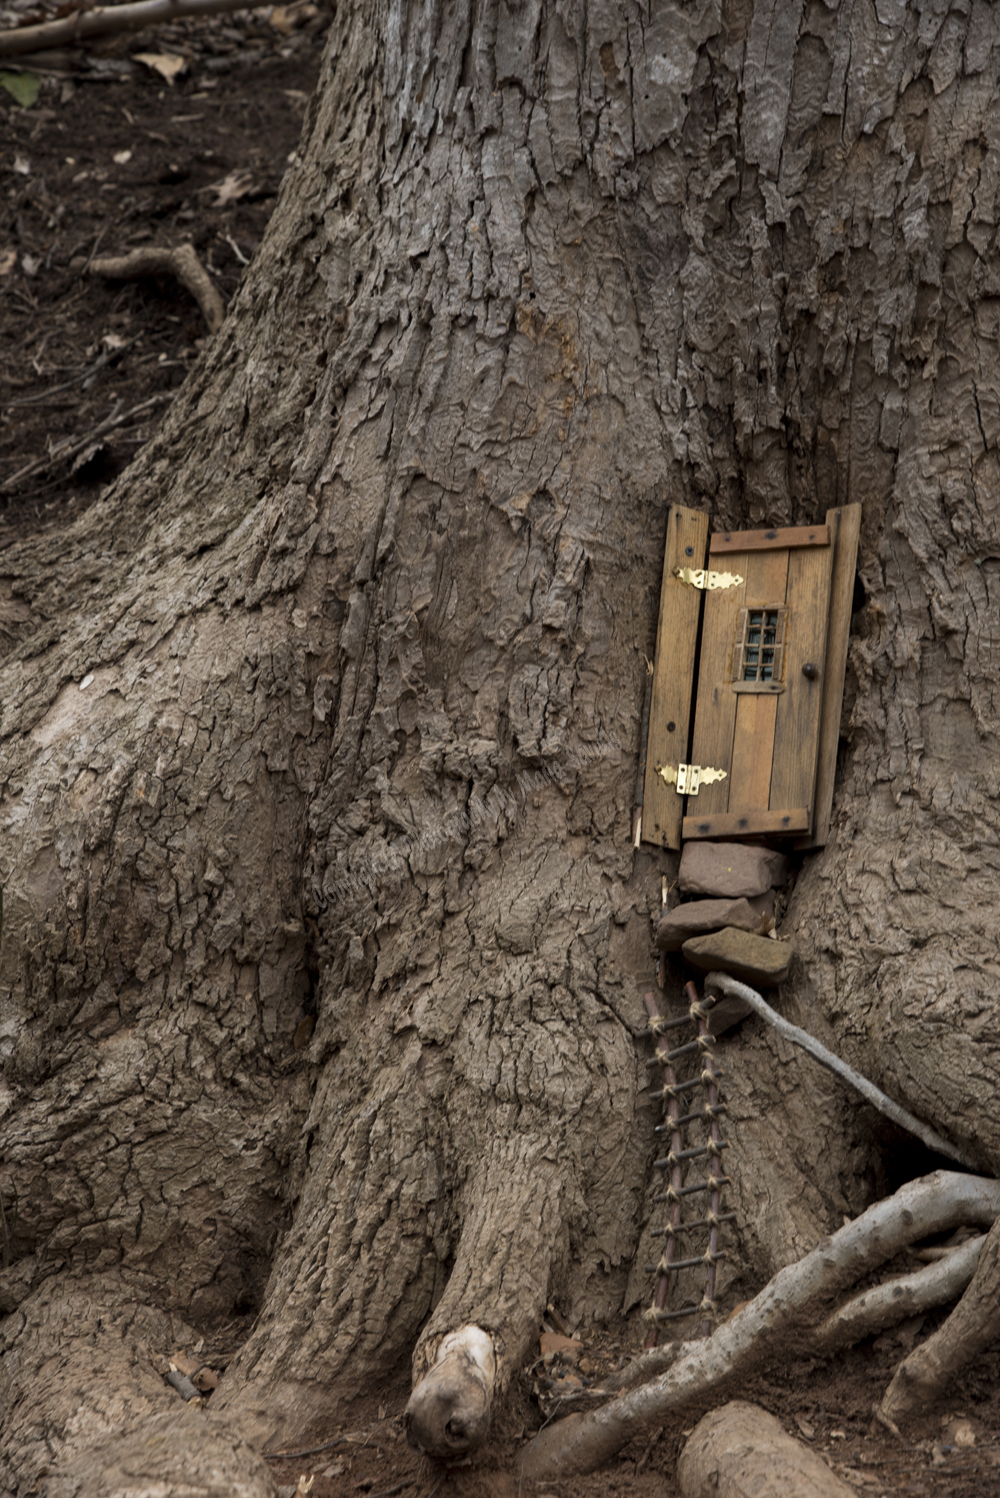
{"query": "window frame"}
[(741, 645)]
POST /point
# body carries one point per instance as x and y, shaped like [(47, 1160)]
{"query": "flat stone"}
[(731, 869), (695, 917), (758, 960)]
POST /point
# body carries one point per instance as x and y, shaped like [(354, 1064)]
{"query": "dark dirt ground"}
[(205, 155)]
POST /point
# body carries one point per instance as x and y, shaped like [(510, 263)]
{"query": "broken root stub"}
[(448, 1412)]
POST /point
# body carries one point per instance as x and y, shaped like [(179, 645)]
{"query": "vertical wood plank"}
[(715, 712), (753, 741), (796, 730), (767, 579), (673, 676), (845, 529), (753, 752)]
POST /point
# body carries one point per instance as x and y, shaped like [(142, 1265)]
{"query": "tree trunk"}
[(330, 706)]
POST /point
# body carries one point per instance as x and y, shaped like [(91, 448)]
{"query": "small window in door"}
[(759, 651)]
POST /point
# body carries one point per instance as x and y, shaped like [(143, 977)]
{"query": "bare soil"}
[(110, 157)]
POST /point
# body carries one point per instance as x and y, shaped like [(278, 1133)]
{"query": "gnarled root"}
[(449, 1411), (740, 1451), (972, 1327), (782, 1314)]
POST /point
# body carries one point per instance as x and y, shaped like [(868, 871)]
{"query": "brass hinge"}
[(700, 577), (689, 778)]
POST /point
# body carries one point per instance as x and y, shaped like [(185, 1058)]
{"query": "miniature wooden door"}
[(774, 612)]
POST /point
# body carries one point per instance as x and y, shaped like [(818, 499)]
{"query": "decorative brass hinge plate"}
[(700, 577), (689, 778)]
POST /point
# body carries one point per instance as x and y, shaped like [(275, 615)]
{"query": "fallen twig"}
[(101, 20), (71, 447), (775, 1318), (85, 376), (180, 261), (326, 1446), (818, 1051)]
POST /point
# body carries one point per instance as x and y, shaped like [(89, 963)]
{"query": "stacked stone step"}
[(730, 929)]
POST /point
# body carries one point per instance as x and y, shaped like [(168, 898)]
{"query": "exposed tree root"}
[(740, 1451), (181, 261), (972, 1327), (890, 1303), (785, 1312), (819, 1052), (872, 1311)]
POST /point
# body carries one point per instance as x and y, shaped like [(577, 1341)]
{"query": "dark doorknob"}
[(809, 671)]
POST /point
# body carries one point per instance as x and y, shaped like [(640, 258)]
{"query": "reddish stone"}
[(695, 917), (731, 869)]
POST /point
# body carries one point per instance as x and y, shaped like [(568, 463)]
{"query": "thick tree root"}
[(784, 1313), (890, 1303), (872, 1311), (740, 1451), (972, 1327), (449, 1411)]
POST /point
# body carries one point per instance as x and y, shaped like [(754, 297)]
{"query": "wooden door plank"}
[(845, 529), (781, 539), (747, 824), (767, 579), (753, 752), (796, 729), (715, 709), (673, 676), (753, 740)]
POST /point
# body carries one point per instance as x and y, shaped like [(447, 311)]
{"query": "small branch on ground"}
[(818, 1051), (103, 20), (181, 262), (779, 1318), (972, 1327), (72, 447)]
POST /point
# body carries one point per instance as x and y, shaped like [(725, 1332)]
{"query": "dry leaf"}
[(22, 165), (206, 1379), (31, 264), (120, 157), (8, 260), (165, 63), (282, 21), (183, 1363), (231, 188), (553, 1345), (114, 340), (805, 1428)]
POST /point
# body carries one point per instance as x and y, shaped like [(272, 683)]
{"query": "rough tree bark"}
[(330, 705)]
